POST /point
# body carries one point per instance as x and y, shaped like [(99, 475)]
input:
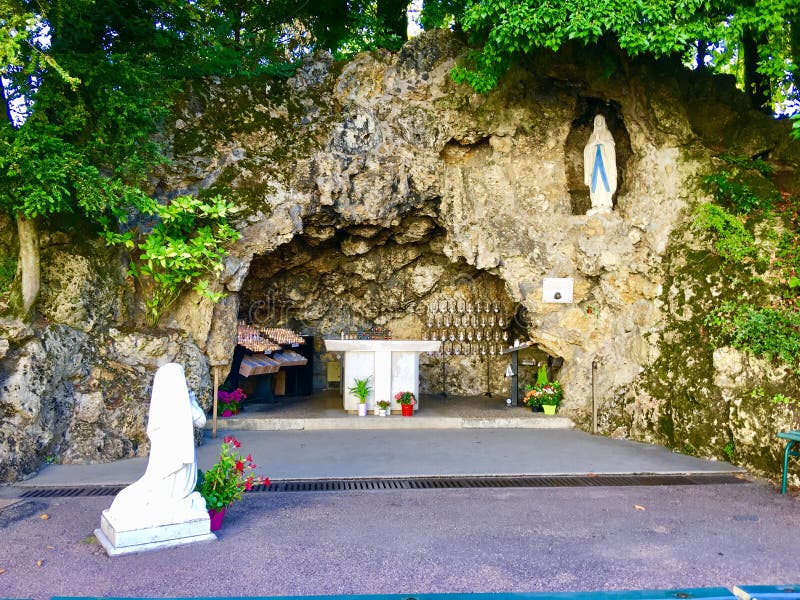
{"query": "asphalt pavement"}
[(415, 541), (420, 541)]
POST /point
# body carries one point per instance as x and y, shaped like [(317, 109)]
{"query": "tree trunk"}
[(702, 52), (28, 273), (755, 84)]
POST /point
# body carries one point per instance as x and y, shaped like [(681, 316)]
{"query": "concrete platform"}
[(349, 454), (323, 411)]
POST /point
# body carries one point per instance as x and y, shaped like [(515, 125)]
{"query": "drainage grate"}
[(105, 490), (427, 483)]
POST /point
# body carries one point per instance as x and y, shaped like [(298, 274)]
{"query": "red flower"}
[(226, 481)]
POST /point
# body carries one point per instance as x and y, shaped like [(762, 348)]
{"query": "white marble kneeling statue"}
[(162, 509), (600, 167)]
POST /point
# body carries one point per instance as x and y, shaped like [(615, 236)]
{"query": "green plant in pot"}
[(360, 389), (383, 405), (225, 481), (545, 394)]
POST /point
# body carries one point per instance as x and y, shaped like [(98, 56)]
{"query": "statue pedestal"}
[(117, 539), (600, 210)]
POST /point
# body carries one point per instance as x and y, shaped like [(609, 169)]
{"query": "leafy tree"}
[(755, 39), (83, 92), (442, 13), (85, 85), (393, 16)]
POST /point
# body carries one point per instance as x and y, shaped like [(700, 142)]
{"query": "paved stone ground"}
[(494, 540)]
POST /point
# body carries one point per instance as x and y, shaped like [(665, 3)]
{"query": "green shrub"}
[(744, 162), (8, 268), (770, 333), (787, 261), (185, 246), (743, 188), (733, 241)]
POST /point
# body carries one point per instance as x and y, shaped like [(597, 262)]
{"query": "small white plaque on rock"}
[(557, 290)]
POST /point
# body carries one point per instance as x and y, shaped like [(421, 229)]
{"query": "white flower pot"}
[(383, 412), (362, 409)]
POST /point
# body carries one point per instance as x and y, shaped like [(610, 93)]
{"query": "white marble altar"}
[(161, 509), (392, 365)]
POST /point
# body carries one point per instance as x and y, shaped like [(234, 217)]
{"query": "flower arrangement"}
[(229, 477), (544, 393), (383, 404), (230, 403), (549, 394), (405, 398)]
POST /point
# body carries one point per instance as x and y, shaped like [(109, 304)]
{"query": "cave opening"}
[(337, 281)]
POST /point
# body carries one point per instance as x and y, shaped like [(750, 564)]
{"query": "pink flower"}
[(226, 413), (239, 466)]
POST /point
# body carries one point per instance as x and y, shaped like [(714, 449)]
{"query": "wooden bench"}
[(791, 437)]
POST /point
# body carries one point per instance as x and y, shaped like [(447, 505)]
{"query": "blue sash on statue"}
[(598, 167)]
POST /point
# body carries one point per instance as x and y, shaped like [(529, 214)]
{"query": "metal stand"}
[(513, 351), (594, 397), (216, 403), (488, 393), (444, 375)]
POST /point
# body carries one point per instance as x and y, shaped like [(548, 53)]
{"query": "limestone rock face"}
[(79, 290), (73, 396), (375, 188), (371, 190)]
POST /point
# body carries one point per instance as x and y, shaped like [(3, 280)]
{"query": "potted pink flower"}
[(226, 481), (407, 402), (230, 403)]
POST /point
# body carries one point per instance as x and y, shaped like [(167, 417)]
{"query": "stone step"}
[(243, 422)]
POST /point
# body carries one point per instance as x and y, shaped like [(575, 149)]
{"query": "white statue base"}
[(600, 210), (119, 540)]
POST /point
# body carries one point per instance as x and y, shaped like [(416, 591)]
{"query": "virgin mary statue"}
[(600, 167)]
